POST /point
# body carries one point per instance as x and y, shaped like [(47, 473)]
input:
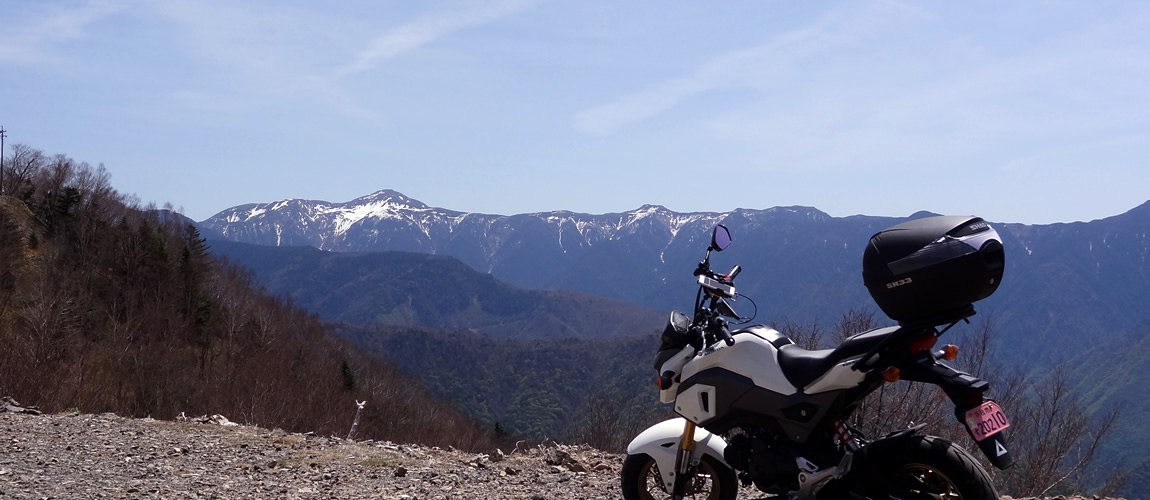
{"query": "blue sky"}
[(1032, 112)]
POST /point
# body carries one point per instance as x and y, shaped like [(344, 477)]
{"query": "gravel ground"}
[(106, 456), (78, 456)]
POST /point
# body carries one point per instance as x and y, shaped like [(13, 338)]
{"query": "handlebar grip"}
[(724, 333)]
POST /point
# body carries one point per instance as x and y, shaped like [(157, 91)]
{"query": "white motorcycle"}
[(756, 408)]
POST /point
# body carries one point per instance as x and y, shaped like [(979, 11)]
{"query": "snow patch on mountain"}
[(346, 216), (454, 222), (678, 221), (636, 215)]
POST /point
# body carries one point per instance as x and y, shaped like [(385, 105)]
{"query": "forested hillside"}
[(411, 289), (538, 388), (107, 307), (1118, 370)]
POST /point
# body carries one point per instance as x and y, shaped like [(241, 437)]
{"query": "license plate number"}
[(986, 420)]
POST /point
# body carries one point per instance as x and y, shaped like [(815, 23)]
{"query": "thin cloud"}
[(755, 67), (1074, 92), (426, 30), (31, 34), (254, 55)]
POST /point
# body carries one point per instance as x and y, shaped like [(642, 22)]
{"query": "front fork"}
[(683, 460)]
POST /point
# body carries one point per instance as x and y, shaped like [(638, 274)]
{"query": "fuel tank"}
[(714, 379)]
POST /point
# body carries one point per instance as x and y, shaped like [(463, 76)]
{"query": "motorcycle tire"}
[(929, 465), (713, 480)]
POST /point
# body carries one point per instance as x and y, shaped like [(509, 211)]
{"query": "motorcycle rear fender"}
[(661, 442), (963, 388), (966, 392)]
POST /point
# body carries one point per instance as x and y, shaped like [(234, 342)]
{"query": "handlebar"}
[(711, 328), (713, 287)]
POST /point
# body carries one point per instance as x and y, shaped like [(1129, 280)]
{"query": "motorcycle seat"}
[(803, 366)]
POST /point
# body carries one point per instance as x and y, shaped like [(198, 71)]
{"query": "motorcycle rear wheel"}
[(712, 481), (935, 467)]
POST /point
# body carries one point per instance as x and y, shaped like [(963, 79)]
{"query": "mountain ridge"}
[(384, 205), (542, 250)]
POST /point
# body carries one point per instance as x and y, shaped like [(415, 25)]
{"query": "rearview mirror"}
[(720, 238)]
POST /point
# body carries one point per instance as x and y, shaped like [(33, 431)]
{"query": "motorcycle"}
[(757, 409)]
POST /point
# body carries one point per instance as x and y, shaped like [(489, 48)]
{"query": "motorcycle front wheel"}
[(929, 466), (712, 480)]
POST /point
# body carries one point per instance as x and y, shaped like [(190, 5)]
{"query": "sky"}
[(1022, 111)]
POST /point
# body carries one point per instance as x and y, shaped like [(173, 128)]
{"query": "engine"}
[(763, 459)]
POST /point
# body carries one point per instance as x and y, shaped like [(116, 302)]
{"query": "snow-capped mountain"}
[(388, 220), (627, 251)]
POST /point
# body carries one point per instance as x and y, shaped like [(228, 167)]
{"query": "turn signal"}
[(891, 374), (949, 352), (659, 382)]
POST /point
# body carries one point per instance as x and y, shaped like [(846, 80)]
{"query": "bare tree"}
[(607, 421), (1055, 438), (19, 169)]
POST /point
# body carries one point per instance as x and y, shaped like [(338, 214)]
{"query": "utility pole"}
[(2, 133)]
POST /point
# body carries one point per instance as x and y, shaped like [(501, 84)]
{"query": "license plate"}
[(986, 420)]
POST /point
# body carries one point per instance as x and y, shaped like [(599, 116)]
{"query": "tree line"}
[(110, 306)]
